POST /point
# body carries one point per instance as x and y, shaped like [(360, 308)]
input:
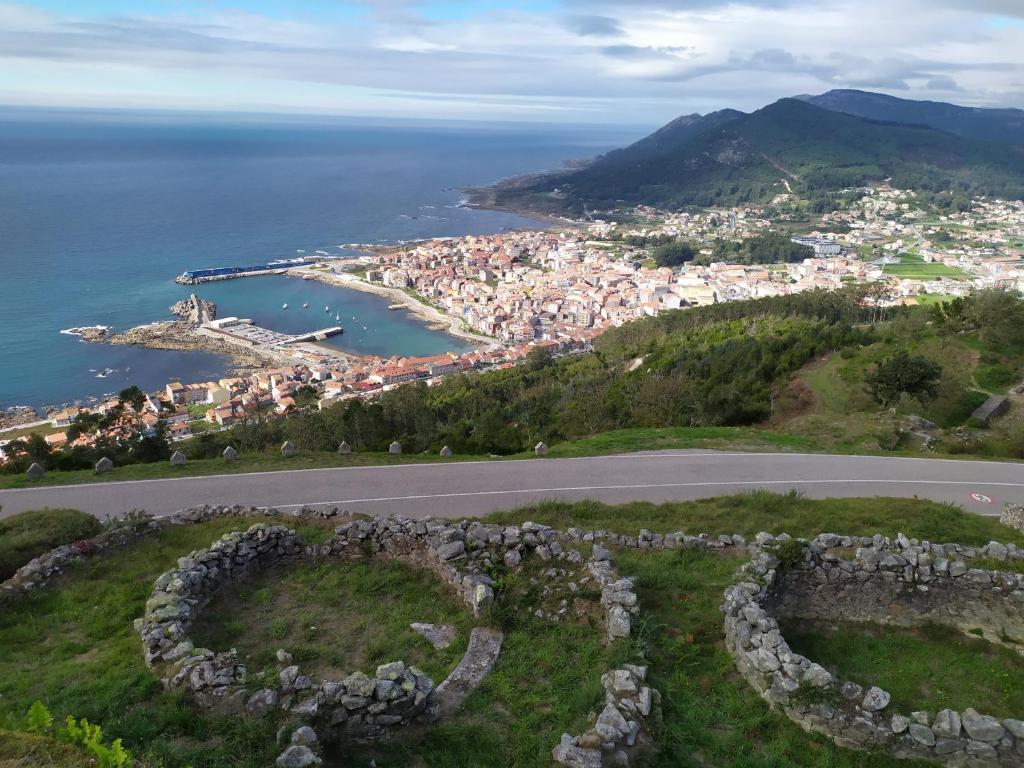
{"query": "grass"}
[(923, 271), (30, 534), (73, 647), (335, 619), (749, 513), (26, 750), (711, 716), (939, 668)]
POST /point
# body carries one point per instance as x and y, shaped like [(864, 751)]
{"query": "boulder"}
[(395, 447), (344, 448), (104, 465), (35, 471), (982, 727), (262, 702), (178, 459), (947, 724), (876, 699), (230, 454), (446, 452), (288, 448), (600, 553), (304, 736), (541, 449), (297, 756)]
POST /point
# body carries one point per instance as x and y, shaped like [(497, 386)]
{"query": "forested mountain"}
[(1002, 125), (788, 145)]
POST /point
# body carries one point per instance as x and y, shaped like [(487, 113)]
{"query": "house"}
[(65, 417), (56, 440)]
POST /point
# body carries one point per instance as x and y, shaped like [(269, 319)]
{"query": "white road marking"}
[(698, 453), (731, 483)]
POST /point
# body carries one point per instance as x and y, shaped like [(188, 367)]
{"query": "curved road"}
[(476, 488)]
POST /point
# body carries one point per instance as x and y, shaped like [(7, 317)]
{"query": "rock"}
[(982, 727), (512, 558), (611, 724), (344, 448), (395, 447), (391, 671), (899, 723), (230, 454), (304, 736), (104, 465), (574, 755), (288, 677), (619, 623), (817, 676), (876, 699), (922, 734), (178, 459), (451, 550), (850, 691), (297, 756), (482, 597), (1015, 727), (288, 448), (541, 449), (601, 554), (947, 724), (446, 452), (262, 702), (35, 471), (283, 657), (438, 635)]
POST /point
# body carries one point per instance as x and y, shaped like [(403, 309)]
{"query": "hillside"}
[(1000, 125), (788, 145)]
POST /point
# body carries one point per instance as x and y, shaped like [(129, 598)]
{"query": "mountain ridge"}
[(729, 158)]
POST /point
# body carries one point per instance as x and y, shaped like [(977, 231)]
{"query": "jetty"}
[(195, 276), (320, 335)]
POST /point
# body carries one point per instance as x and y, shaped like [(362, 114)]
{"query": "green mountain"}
[(788, 145), (1002, 125)]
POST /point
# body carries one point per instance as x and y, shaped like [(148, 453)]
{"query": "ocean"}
[(100, 211)]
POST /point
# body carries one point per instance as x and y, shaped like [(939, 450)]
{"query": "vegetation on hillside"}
[(30, 534), (787, 146)]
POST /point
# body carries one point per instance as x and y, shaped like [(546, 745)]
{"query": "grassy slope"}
[(30, 534), (843, 418), (938, 668), (335, 619), (26, 750), (74, 648)]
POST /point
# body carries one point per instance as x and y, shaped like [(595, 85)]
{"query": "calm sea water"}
[(99, 213)]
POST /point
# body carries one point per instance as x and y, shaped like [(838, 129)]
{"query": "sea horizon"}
[(100, 216)]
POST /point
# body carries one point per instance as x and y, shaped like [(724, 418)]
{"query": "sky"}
[(567, 61)]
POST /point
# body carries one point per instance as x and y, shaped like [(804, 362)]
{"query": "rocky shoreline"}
[(183, 337)]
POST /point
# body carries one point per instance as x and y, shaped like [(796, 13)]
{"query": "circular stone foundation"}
[(901, 582)]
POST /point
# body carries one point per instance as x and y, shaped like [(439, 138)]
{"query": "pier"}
[(195, 276), (320, 335)]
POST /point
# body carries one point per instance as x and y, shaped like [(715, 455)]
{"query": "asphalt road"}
[(476, 488)]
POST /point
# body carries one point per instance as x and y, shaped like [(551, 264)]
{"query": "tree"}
[(673, 254), (901, 374), (133, 396)]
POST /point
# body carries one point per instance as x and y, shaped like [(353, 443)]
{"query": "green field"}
[(73, 647), (923, 271)]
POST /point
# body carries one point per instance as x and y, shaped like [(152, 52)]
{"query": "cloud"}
[(594, 26), (648, 60)]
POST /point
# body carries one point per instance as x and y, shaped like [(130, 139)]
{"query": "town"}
[(558, 289)]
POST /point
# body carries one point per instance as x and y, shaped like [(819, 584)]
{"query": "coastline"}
[(184, 337), (448, 323)]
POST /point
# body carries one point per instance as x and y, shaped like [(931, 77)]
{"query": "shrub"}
[(790, 553), (30, 534), (81, 733)]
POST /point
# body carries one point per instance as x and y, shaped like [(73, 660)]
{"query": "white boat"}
[(327, 309), (306, 305), (284, 306)]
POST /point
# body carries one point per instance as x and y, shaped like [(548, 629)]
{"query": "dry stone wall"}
[(902, 582)]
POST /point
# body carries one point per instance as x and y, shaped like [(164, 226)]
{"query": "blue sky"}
[(570, 61)]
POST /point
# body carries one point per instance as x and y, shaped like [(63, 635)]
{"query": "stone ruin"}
[(901, 582)]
